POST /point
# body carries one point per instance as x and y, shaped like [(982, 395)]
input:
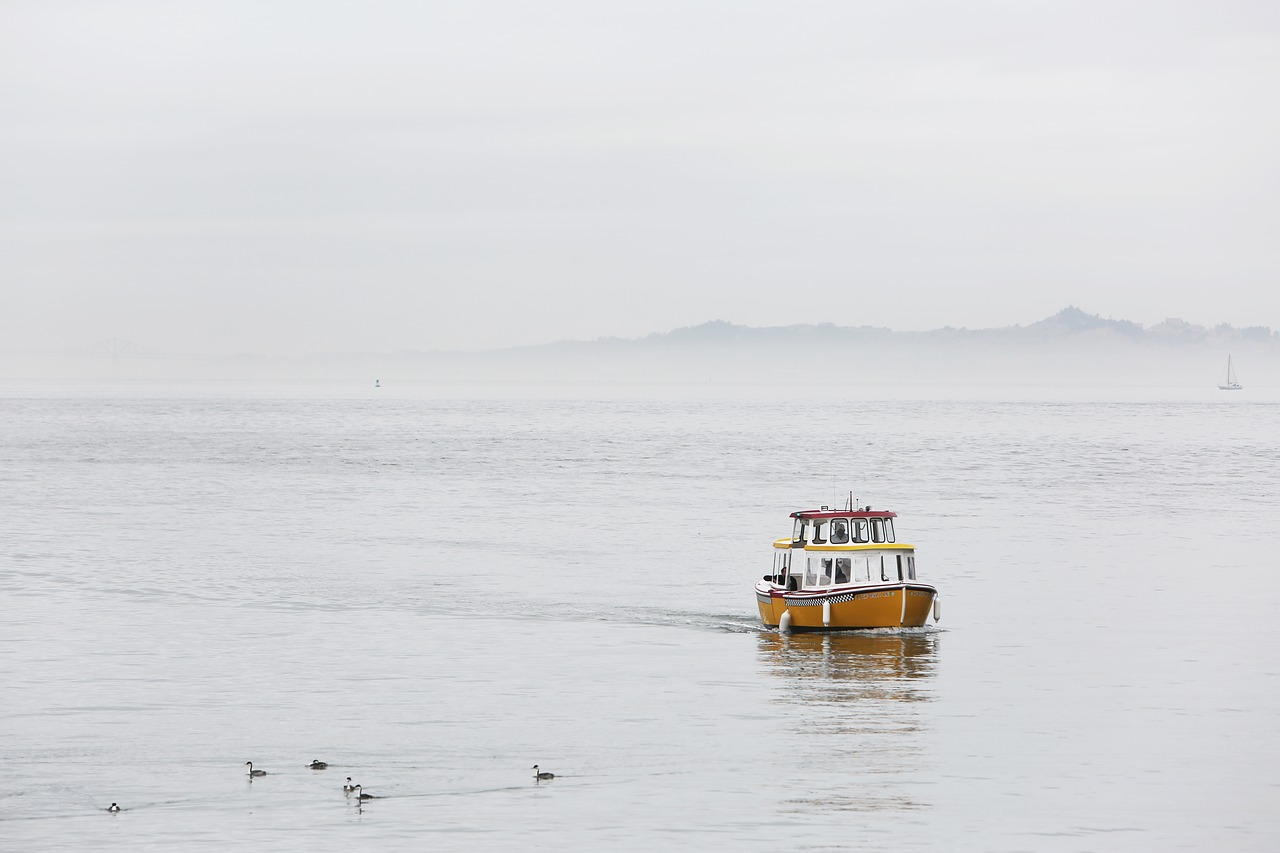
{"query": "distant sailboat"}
[(1232, 384)]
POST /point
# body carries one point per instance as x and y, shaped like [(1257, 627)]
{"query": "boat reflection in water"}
[(849, 666), (861, 705)]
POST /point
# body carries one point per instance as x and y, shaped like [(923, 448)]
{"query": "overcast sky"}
[(291, 177)]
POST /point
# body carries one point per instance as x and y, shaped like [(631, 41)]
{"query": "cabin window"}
[(862, 569), (819, 573), (877, 530), (819, 532), (888, 530), (843, 569), (858, 529), (888, 570), (911, 568), (839, 531), (798, 534)]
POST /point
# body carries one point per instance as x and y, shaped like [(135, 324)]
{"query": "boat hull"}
[(902, 605)]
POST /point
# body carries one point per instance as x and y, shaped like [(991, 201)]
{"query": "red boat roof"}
[(837, 513)]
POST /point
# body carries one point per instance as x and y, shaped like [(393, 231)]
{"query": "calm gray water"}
[(433, 591)]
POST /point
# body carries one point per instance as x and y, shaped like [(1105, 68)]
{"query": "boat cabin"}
[(833, 548), (820, 527)]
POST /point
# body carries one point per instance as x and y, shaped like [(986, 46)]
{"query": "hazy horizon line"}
[(120, 348)]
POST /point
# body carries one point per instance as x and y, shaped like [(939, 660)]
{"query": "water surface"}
[(433, 591)]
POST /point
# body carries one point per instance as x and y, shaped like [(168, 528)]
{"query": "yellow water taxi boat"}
[(843, 569)]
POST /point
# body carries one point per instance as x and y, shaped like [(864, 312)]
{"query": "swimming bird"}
[(253, 772), (114, 808), (542, 774), (348, 787), (361, 795), (317, 764)]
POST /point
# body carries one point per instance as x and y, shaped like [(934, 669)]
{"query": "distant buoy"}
[(784, 624), (937, 607)]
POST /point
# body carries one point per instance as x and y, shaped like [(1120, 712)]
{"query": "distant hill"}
[(1071, 347), (1068, 324)]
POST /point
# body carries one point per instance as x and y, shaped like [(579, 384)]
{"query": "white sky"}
[(290, 177)]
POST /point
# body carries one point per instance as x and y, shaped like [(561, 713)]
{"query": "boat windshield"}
[(842, 531)]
